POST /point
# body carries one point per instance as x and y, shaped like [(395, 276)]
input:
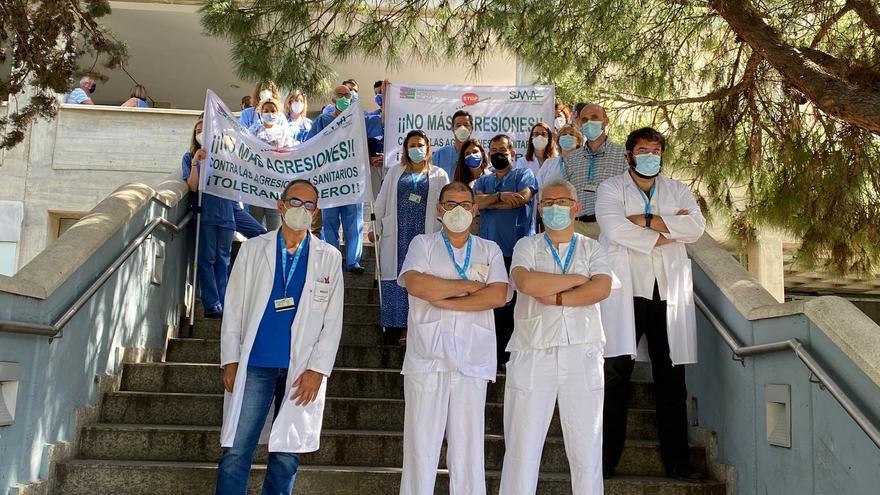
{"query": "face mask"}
[(592, 129), (268, 118), (557, 217), (92, 88), (539, 142), (500, 160), (379, 99), (458, 220), (462, 133), (474, 160), (298, 218), (647, 165), (264, 94), (354, 95), (559, 122), (199, 137), (567, 142), (418, 154), (297, 107), (342, 103)]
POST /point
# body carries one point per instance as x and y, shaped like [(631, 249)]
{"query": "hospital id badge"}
[(284, 304), (415, 198), (591, 188)]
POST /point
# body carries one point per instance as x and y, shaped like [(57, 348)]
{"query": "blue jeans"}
[(215, 252), (351, 217), (262, 387)]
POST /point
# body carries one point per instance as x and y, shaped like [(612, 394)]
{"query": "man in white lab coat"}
[(454, 281), (556, 348), (279, 337), (645, 220)]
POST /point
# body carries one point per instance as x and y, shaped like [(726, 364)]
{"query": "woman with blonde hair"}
[(262, 91), (570, 139), (295, 108), (137, 97)]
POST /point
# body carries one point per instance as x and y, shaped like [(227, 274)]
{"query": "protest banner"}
[(511, 110), (243, 168)]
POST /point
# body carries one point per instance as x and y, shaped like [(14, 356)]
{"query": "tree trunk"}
[(830, 94)]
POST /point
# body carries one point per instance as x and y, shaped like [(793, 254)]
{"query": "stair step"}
[(342, 413), (344, 382), (88, 477), (352, 333), (338, 447), (207, 351)]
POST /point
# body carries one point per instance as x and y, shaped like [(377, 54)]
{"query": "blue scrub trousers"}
[(246, 224), (215, 253), (351, 217)]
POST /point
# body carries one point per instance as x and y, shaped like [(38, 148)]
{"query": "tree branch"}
[(867, 13), (862, 77), (832, 95), (826, 26)]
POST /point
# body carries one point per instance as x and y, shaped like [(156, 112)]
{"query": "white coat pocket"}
[(520, 370), (594, 366), (425, 341), (321, 295)]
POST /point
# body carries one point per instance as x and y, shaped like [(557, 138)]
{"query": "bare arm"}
[(489, 297), (596, 289), (131, 102), (542, 284), (487, 201), (431, 288)]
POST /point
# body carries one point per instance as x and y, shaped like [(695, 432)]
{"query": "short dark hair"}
[(377, 84), (499, 137), (456, 186), (578, 107), (463, 113), (297, 182), (645, 134), (350, 82)]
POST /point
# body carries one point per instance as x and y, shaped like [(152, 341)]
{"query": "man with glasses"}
[(507, 214), (556, 348), (646, 219), (599, 159), (280, 332), (454, 280)]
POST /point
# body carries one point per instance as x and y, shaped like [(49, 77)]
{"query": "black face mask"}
[(93, 88), (500, 160)]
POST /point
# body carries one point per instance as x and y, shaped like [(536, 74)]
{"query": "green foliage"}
[(45, 39)]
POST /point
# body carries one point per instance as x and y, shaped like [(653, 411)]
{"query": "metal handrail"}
[(824, 378), (52, 331)]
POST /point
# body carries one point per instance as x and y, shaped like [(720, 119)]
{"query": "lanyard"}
[(414, 177), (287, 275), (591, 172), (556, 258), (462, 270), (647, 197), (561, 166)]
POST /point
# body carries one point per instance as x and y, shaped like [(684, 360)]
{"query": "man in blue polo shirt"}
[(507, 214), (447, 156)]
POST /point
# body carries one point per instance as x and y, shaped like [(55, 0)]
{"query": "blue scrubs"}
[(300, 128), (246, 224), (374, 125), (506, 227), (271, 347), (446, 158), (215, 244), (351, 217), (247, 117)]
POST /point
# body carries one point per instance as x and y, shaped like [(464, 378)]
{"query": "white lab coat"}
[(617, 198), (315, 334), (385, 211), (550, 170)]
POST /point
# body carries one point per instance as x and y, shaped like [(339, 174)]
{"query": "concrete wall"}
[(73, 162), (59, 378), (830, 454)]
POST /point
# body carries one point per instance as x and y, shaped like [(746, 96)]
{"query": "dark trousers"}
[(669, 389), (504, 323)]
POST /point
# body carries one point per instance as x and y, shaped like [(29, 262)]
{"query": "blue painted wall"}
[(59, 377)]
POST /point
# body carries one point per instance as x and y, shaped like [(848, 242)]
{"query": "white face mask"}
[(458, 220), (297, 107), (264, 94), (298, 218), (540, 142), (559, 122), (462, 133), (199, 137)]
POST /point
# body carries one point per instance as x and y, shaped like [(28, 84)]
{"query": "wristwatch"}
[(559, 298), (648, 218)]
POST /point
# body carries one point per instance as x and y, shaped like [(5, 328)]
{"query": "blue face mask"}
[(268, 118), (567, 142), (592, 129), (417, 155), (648, 165), (379, 99), (354, 95), (474, 160), (557, 217)]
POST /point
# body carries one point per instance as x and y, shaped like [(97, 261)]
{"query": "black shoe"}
[(215, 314), (607, 474), (686, 472), (357, 270)]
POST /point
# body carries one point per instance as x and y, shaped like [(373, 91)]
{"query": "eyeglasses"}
[(547, 202), (450, 205), (298, 203)]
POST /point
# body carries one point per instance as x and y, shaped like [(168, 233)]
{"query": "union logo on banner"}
[(408, 93), (470, 98)]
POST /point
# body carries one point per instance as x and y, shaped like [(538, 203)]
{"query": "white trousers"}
[(438, 402), (574, 376)]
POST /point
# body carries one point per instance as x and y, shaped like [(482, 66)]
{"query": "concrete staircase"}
[(159, 434)]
